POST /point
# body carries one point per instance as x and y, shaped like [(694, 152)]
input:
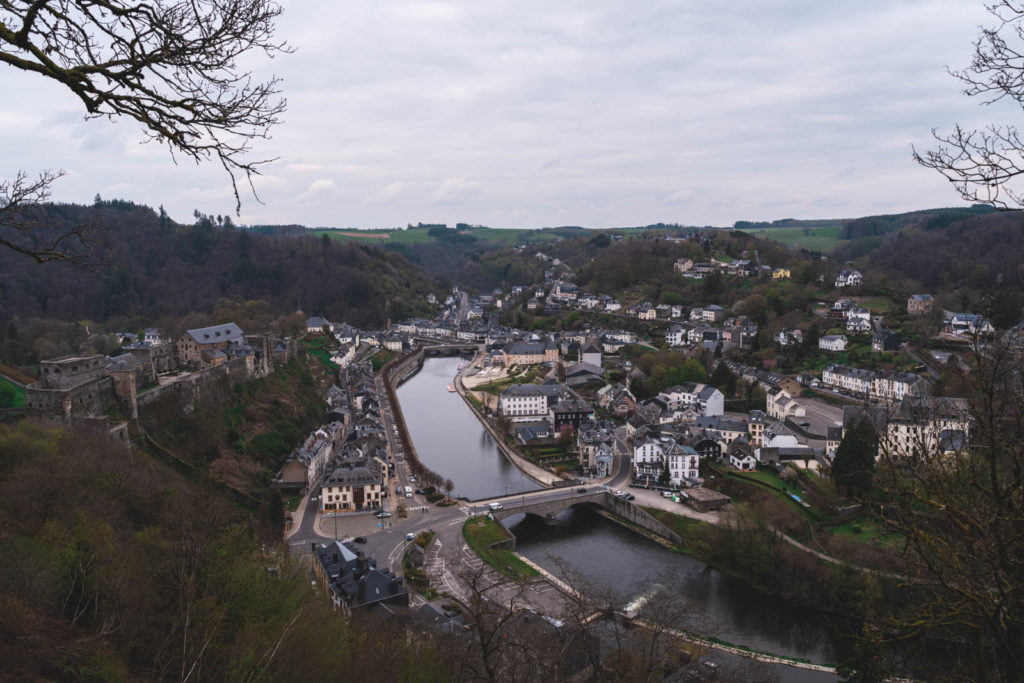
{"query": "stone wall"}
[(88, 399), (180, 397)]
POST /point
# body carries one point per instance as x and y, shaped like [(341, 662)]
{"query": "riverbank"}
[(535, 472)]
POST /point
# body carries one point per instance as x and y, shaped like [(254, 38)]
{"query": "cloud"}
[(454, 189), (679, 196), (318, 189), (384, 195), (579, 112)]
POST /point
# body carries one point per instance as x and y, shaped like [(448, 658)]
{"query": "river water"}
[(450, 440), (608, 556)]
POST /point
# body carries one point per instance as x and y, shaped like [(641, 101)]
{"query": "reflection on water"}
[(611, 557), (450, 440)]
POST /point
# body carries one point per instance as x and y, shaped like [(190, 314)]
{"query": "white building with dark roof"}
[(529, 402)]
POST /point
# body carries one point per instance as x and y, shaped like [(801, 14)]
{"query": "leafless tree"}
[(960, 508), (20, 232), (982, 163), (490, 602), (170, 65)]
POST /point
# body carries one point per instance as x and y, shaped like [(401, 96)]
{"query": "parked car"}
[(667, 494), (410, 537), (360, 539), (629, 496)]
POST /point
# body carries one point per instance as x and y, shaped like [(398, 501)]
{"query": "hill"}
[(973, 262), (160, 269)]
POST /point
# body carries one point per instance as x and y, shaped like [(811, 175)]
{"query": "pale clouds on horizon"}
[(600, 113)]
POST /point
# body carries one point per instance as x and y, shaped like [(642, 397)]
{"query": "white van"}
[(408, 492), (495, 506)]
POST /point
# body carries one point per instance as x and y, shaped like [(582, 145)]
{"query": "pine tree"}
[(854, 464)]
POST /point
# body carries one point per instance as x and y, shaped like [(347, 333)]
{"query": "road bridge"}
[(449, 349), (548, 505)]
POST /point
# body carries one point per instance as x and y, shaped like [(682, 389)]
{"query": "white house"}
[(786, 337), (683, 463), (858, 319), (853, 380), (709, 400), (848, 278), (833, 342), (893, 386), (529, 402), (315, 324), (676, 335), (648, 458), (969, 324), (742, 460)]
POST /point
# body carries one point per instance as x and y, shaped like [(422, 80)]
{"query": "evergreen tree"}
[(854, 464), (723, 379)]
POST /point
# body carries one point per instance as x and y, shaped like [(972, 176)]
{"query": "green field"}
[(822, 239), (11, 395), (505, 236)]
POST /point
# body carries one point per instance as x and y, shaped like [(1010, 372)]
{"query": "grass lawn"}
[(868, 530), (11, 395), (480, 533), (780, 489), (684, 526), (823, 239), (317, 347)]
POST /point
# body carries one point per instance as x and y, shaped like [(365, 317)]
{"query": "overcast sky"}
[(529, 114)]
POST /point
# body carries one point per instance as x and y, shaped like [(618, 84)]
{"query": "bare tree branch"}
[(24, 231), (983, 164), (171, 65)]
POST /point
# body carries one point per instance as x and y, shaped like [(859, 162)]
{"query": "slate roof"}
[(216, 334)]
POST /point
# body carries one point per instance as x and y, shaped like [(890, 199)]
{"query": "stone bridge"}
[(549, 505), (449, 349)]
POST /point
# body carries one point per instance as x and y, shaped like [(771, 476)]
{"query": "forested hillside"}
[(159, 268), (114, 567), (972, 262)]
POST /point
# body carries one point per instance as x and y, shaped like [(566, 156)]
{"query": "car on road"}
[(582, 489), (380, 514), (412, 480), (667, 494), (495, 506), (410, 536), (360, 539), (419, 492), (629, 496), (620, 494)]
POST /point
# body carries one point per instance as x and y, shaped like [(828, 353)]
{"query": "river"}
[(450, 440), (609, 556)]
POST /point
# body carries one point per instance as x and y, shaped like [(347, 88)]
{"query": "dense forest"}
[(971, 261), (153, 268)]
